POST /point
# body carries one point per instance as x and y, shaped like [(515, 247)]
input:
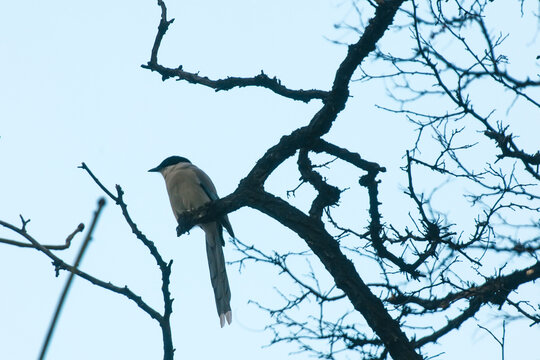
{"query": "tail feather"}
[(218, 273)]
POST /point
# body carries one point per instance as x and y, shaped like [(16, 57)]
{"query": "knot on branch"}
[(500, 137), (433, 231), (495, 291), (58, 265), (368, 180), (509, 149), (328, 195), (499, 297)]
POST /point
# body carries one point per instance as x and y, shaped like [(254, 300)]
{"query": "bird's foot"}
[(180, 230)]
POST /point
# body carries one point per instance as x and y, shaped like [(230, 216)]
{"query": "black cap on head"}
[(171, 160)]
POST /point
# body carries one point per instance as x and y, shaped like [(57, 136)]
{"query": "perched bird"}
[(189, 188)]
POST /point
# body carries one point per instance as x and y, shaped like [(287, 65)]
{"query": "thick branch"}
[(322, 121), (261, 80), (326, 249), (250, 193), (342, 270), (321, 145), (327, 195), (494, 290)]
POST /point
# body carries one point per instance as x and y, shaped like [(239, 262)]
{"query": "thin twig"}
[(62, 265), (65, 246), (501, 341)]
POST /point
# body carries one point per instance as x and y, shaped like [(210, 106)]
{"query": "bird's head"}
[(171, 160)]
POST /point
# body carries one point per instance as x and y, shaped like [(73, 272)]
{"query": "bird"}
[(188, 188)]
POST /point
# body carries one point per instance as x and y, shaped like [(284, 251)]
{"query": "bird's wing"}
[(210, 190), (206, 184), (212, 195)]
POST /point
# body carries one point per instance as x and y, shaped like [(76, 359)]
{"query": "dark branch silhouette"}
[(423, 265), (65, 246), (428, 252)]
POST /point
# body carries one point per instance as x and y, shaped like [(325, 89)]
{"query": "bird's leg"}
[(182, 227), (181, 230)]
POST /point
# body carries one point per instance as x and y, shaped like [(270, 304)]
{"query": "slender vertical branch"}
[(164, 267), (63, 296)]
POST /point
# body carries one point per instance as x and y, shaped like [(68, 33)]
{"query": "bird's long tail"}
[(218, 274)]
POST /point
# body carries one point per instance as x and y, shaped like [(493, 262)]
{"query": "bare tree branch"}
[(164, 267), (65, 246)]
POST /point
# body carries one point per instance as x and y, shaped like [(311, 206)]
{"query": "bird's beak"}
[(154, 170)]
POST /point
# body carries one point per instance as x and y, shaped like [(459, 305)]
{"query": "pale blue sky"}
[(72, 90)]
